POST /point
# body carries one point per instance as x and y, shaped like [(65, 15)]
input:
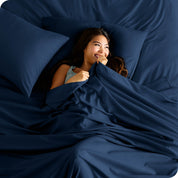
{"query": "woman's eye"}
[(97, 44)]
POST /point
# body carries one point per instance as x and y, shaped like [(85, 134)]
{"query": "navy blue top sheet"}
[(109, 125)]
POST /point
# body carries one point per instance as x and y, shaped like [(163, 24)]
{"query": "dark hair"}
[(77, 57), (118, 65), (115, 63), (85, 38)]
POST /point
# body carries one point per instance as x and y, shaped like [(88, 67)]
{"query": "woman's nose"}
[(101, 49)]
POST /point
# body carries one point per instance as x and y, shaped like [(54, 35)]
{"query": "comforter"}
[(107, 126)]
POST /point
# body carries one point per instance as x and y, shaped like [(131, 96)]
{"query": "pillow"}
[(25, 50), (126, 42)]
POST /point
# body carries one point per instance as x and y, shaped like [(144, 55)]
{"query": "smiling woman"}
[(91, 47), (107, 125)]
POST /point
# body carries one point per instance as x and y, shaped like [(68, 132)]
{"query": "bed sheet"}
[(158, 58), (30, 129), (91, 128)]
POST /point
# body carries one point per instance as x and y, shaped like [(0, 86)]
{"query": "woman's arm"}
[(59, 76), (79, 77)]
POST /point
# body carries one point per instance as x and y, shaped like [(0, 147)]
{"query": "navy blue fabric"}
[(25, 50), (125, 42), (108, 126), (158, 57)]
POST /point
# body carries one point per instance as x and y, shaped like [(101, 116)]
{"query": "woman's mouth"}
[(96, 55)]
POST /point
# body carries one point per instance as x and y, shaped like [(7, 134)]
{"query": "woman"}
[(92, 46)]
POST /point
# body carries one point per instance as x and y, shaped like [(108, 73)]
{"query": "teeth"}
[(97, 56)]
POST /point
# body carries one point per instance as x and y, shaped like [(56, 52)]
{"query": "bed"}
[(107, 126)]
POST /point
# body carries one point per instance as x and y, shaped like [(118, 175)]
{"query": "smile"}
[(97, 55)]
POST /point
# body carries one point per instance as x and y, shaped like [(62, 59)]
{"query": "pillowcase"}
[(25, 50), (126, 43)]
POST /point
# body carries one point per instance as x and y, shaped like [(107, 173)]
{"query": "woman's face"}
[(97, 47)]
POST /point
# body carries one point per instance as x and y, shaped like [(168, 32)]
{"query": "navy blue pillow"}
[(25, 50), (126, 42)]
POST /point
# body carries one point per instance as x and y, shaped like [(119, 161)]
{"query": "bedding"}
[(122, 39), (107, 126), (25, 50)]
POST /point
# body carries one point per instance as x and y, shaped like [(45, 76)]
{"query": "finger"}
[(87, 75)]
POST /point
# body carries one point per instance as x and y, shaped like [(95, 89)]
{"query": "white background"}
[(1, 1)]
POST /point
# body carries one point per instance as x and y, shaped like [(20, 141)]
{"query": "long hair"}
[(118, 65), (77, 57), (85, 38)]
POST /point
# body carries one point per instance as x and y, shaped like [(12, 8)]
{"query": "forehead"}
[(100, 38)]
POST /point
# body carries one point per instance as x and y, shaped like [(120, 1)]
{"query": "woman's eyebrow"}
[(96, 42), (100, 43)]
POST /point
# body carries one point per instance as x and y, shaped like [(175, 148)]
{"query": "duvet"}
[(107, 126), (113, 124)]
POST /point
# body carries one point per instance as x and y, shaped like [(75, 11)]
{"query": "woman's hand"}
[(79, 77), (102, 59)]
